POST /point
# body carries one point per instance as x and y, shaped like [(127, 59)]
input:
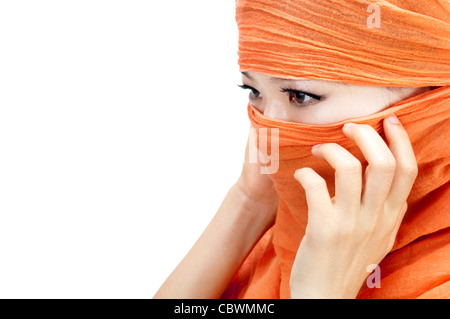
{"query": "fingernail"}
[(349, 125), (316, 146), (393, 119)]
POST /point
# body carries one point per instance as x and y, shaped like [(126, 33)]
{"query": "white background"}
[(121, 130)]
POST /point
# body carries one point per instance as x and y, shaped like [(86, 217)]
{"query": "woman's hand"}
[(257, 188), (247, 211), (357, 228)]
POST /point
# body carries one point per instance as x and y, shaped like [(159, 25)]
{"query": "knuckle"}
[(350, 166), (409, 170), (384, 164), (315, 184)]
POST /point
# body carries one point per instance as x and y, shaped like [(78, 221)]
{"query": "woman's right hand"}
[(257, 188), (246, 213)]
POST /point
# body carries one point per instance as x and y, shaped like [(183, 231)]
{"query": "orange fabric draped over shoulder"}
[(339, 41)]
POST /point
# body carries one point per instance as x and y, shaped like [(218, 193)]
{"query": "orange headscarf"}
[(335, 41)]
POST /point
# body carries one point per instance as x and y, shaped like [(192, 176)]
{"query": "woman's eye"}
[(253, 92), (300, 97)]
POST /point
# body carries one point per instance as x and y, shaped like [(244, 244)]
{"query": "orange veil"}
[(383, 43)]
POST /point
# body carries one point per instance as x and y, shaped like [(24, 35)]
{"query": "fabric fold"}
[(335, 41)]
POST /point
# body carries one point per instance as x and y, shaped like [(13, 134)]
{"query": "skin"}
[(345, 234), (338, 101)]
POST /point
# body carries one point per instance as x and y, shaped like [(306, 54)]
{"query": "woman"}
[(360, 111)]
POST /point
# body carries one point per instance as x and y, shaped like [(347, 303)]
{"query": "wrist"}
[(259, 210)]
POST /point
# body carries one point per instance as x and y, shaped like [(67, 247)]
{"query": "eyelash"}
[(290, 92), (248, 87)]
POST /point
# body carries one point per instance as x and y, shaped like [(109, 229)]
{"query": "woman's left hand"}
[(357, 228)]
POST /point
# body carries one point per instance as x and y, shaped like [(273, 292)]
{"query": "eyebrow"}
[(274, 79), (278, 80), (247, 75)]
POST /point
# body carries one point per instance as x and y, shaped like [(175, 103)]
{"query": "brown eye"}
[(299, 97), (253, 92)]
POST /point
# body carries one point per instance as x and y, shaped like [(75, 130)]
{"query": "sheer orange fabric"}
[(330, 40), (340, 41)]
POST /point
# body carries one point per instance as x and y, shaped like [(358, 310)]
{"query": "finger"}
[(381, 164), (406, 164), (251, 150), (317, 196), (348, 176), (398, 222)]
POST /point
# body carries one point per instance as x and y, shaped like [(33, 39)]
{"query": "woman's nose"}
[(276, 108)]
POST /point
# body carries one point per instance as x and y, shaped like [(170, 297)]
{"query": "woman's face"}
[(319, 102)]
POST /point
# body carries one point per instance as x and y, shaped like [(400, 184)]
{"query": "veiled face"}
[(319, 102)]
